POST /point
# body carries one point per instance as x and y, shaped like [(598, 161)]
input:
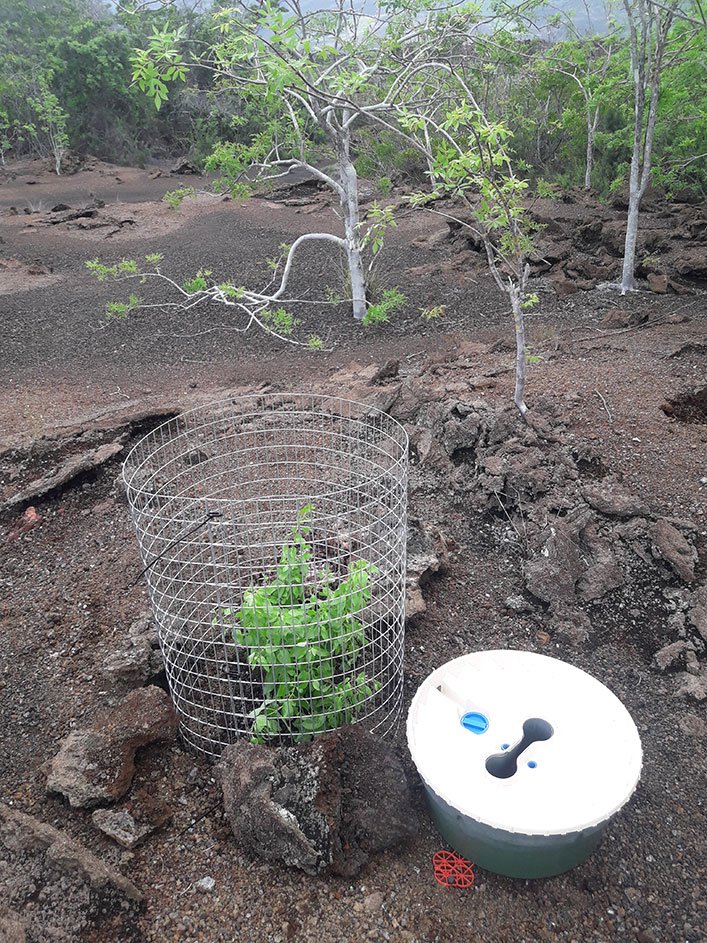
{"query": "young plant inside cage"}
[(303, 632)]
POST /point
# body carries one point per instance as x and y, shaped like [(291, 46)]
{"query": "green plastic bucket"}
[(525, 759)]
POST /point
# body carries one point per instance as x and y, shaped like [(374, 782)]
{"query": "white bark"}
[(648, 36), (428, 157), (515, 294), (628, 282), (592, 123), (352, 229)]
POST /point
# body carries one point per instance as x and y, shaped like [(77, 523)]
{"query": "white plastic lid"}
[(580, 776)]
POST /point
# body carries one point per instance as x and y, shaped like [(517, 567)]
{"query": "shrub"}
[(303, 632), (393, 300)]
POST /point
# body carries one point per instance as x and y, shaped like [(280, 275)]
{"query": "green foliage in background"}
[(74, 60), (82, 52)]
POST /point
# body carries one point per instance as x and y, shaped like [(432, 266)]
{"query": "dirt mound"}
[(688, 407), (21, 276)]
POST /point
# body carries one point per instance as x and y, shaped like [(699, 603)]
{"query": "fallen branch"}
[(657, 322), (253, 305), (605, 405)]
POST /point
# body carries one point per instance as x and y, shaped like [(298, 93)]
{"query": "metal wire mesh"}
[(272, 530)]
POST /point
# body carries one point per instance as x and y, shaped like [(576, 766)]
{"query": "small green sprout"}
[(175, 198), (393, 300), (432, 314)]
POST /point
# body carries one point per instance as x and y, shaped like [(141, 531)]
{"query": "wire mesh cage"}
[(272, 530)]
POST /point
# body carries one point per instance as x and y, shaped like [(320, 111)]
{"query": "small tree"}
[(49, 127), (472, 166), (322, 74), (467, 155), (586, 61), (319, 75)]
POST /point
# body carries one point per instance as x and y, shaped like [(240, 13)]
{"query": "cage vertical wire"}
[(272, 530)]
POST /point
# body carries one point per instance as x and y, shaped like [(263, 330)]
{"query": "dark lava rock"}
[(276, 803), (601, 578), (565, 286), (553, 572), (325, 805), (617, 320), (658, 283), (389, 371), (460, 436), (693, 686), (426, 555), (668, 544), (698, 611), (610, 499), (692, 262), (77, 889), (138, 660), (130, 825), (129, 666), (572, 623), (96, 764)]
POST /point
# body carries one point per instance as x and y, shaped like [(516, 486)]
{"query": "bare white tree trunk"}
[(592, 122), (515, 294), (352, 229), (638, 67), (428, 156), (628, 282), (649, 25)]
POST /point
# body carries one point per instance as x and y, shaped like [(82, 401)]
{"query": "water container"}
[(525, 758)]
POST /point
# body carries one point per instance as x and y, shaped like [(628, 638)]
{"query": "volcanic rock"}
[(426, 555), (600, 578), (131, 825), (77, 889), (658, 283), (129, 666), (693, 686), (608, 498), (316, 806), (551, 575), (670, 654), (96, 764), (668, 544), (698, 611)]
